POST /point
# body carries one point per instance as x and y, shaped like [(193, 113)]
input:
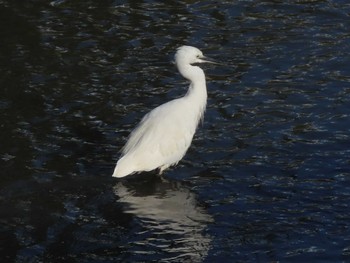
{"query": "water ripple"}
[(267, 176)]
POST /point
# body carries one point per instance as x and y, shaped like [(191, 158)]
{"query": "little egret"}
[(163, 136)]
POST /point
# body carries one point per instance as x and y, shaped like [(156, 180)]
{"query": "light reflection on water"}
[(267, 176), (168, 221)]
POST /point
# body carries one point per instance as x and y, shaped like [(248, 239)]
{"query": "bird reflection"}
[(170, 225)]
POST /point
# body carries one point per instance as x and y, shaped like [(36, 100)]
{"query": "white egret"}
[(163, 136)]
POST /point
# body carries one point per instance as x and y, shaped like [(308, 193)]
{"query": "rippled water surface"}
[(267, 178)]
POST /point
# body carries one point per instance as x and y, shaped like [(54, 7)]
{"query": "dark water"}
[(267, 178)]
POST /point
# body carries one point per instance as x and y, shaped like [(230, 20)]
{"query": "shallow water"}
[(267, 177)]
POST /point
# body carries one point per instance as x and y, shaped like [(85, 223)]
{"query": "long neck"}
[(197, 78), (198, 87), (197, 91)]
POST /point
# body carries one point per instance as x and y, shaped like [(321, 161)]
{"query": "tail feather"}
[(123, 168)]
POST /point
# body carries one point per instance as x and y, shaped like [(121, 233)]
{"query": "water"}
[(267, 178)]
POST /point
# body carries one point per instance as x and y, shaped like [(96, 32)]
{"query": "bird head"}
[(190, 55)]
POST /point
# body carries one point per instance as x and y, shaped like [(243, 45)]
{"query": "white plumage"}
[(163, 136)]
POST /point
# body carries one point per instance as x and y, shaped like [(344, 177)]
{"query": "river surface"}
[(267, 178)]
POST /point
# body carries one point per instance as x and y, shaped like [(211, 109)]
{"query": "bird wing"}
[(164, 134)]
